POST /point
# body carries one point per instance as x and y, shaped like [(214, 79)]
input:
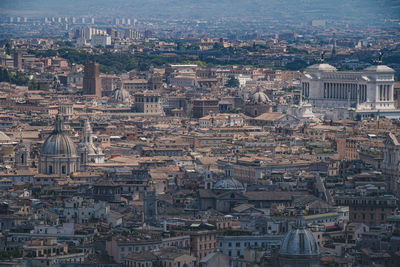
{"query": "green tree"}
[(232, 82), (6, 76), (296, 64)]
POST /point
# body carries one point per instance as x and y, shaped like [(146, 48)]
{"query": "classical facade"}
[(58, 153), (367, 93), (88, 152)]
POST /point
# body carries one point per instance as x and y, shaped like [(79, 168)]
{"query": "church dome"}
[(228, 184), (299, 241), (58, 143), (321, 67), (260, 98)]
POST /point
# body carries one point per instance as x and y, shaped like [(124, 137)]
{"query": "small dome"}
[(379, 68), (228, 184), (299, 241), (260, 98), (321, 67), (58, 143)]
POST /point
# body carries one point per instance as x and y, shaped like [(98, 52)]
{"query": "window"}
[(238, 244), (63, 169), (50, 169), (229, 244)]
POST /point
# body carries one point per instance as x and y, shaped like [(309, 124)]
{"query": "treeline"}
[(124, 62), (18, 78), (111, 62)]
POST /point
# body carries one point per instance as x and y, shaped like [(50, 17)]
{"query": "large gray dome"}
[(260, 98), (228, 184), (58, 143), (299, 241)]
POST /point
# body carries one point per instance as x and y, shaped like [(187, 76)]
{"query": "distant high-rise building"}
[(101, 40), (132, 34), (91, 79), (148, 34)]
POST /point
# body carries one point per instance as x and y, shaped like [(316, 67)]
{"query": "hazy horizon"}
[(357, 11)]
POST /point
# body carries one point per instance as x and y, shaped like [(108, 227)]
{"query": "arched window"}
[(63, 169)]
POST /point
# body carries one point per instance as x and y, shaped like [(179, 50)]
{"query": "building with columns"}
[(365, 93)]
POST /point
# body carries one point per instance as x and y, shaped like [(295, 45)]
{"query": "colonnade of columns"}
[(385, 92), (345, 91)]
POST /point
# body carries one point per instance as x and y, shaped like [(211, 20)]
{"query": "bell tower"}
[(22, 159)]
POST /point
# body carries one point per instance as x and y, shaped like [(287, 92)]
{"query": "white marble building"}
[(367, 93)]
